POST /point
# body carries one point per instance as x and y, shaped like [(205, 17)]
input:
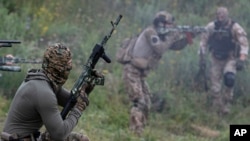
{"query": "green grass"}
[(183, 118)]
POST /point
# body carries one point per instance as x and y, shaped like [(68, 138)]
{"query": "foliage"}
[(82, 23)]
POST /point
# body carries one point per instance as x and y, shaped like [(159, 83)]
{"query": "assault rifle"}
[(8, 43), (7, 60), (10, 68), (87, 77), (187, 28)]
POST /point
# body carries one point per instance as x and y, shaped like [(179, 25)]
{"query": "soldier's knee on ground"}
[(229, 79)]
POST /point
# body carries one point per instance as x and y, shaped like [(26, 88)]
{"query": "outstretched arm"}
[(241, 38)]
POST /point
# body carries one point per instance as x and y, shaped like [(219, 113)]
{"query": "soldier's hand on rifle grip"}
[(82, 101), (189, 37), (9, 58), (97, 74), (202, 63), (89, 88), (240, 65)]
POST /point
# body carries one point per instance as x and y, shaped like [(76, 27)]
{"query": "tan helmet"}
[(163, 17), (222, 14), (57, 63)]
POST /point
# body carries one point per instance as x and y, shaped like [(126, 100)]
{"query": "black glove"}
[(202, 64), (240, 65), (89, 88), (82, 101), (189, 37)]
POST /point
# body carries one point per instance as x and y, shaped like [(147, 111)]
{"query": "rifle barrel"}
[(10, 68), (22, 60), (8, 43)]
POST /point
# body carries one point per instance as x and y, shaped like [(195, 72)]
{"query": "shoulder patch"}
[(155, 39)]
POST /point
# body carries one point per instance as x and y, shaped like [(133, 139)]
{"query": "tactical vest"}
[(221, 43)]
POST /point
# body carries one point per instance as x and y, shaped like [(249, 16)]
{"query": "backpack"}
[(124, 52)]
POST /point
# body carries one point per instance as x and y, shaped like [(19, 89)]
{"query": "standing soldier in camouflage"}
[(229, 52), (146, 53), (36, 102)]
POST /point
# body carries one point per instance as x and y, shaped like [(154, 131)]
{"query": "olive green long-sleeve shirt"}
[(36, 104)]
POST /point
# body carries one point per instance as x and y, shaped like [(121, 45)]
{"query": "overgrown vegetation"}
[(83, 23)]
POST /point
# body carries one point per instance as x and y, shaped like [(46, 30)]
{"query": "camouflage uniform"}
[(37, 99), (147, 51), (225, 55)]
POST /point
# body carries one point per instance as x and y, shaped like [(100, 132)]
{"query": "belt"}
[(8, 137)]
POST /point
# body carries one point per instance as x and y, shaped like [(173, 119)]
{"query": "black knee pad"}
[(229, 79)]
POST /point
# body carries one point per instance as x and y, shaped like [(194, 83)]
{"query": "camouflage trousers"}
[(220, 95), (72, 137), (139, 95)]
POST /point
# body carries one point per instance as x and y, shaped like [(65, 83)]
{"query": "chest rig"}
[(221, 43)]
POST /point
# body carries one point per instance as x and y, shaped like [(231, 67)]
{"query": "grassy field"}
[(183, 118)]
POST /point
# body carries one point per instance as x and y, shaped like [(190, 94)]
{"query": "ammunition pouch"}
[(220, 55)]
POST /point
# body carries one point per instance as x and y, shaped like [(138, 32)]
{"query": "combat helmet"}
[(57, 63), (163, 17)]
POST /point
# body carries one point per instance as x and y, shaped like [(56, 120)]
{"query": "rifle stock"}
[(87, 77)]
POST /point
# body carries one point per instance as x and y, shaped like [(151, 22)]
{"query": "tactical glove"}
[(189, 37), (9, 59), (88, 89), (240, 65), (82, 101)]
